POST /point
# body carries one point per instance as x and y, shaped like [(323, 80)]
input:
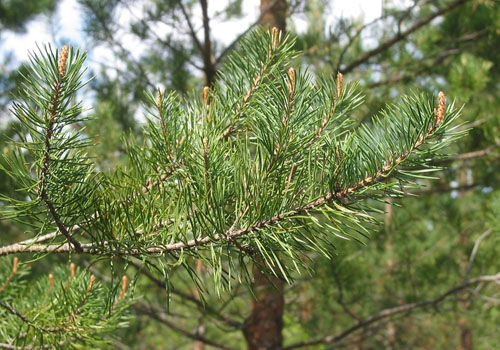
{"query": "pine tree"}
[(262, 168)]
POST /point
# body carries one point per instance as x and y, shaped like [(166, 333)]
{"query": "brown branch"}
[(393, 311), (162, 317), (191, 27), (401, 36)]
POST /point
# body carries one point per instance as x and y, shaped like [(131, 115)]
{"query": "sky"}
[(67, 25)]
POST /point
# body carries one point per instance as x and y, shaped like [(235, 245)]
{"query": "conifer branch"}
[(234, 233), (255, 83), (51, 120)]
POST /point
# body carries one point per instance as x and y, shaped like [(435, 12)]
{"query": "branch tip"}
[(159, 99), (275, 33), (62, 61), (206, 89), (72, 268), (291, 84), (14, 265), (124, 286), (51, 282), (439, 111), (340, 83)]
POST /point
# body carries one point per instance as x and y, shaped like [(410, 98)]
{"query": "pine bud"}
[(291, 84), (205, 94), (275, 33), (14, 265), (91, 282), (124, 285), (439, 111), (159, 99), (205, 145), (62, 61), (340, 82), (72, 268), (51, 282)]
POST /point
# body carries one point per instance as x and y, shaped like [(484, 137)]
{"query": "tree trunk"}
[(273, 13), (264, 325)]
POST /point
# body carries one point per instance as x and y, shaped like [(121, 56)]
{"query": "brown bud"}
[(62, 61), (205, 94), (51, 282), (159, 99), (340, 82), (72, 268), (205, 145), (124, 285), (439, 111), (291, 84), (91, 282), (14, 265), (275, 33)]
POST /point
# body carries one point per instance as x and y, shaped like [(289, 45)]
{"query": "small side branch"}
[(401, 36), (392, 312)]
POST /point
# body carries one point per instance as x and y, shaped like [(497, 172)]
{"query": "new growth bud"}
[(291, 84), (275, 33), (72, 268), (124, 285), (439, 111), (14, 265), (205, 94), (340, 82), (159, 99), (62, 61), (91, 282), (51, 282)]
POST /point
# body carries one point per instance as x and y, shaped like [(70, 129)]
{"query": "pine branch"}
[(234, 233)]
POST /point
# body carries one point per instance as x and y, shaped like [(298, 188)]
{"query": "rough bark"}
[(263, 328), (274, 13)]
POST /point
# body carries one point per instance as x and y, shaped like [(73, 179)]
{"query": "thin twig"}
[(392, 312), (474, 252), (401, 36)]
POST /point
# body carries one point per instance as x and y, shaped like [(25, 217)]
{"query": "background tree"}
[(429, 51)]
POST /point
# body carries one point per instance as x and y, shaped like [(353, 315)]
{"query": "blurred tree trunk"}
[(263, 328), (274, 13), (264, 325)]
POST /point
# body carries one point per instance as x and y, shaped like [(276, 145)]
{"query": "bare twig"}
[(474, 252), (401, 36), (392, 312), (162, 317)]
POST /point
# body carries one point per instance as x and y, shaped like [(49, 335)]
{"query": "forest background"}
[(405, 286)]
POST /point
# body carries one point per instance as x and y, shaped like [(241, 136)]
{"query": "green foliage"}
[(15, 13), (68, 312), (248, 170)]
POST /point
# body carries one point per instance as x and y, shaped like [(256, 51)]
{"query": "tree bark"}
[(274, 13), (263, 328)]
